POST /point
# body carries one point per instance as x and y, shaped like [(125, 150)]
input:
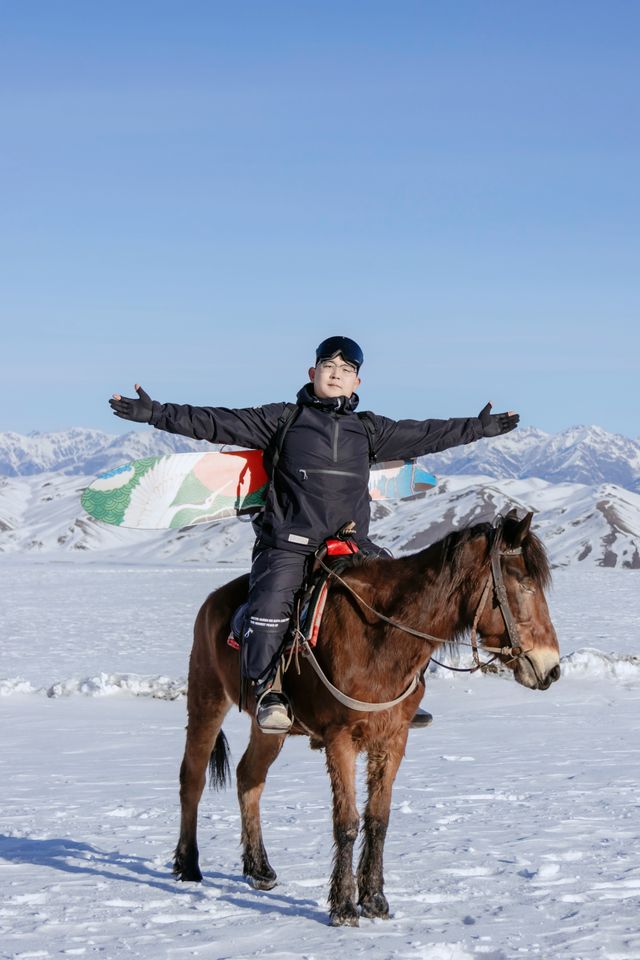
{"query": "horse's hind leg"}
[(205, 743), (250, 776), (382, 767)]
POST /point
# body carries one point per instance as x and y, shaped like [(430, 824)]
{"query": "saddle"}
[(336, 553)]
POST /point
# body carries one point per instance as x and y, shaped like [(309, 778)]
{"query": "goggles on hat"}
[(348, 349)]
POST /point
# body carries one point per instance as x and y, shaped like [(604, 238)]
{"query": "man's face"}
[(334, 378)]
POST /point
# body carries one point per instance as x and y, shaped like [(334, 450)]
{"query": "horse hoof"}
[(346, 917), (263, 882), (186, 865), (188, 875), (375, 907)]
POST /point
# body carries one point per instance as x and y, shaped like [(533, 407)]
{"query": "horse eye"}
[(528, 585)]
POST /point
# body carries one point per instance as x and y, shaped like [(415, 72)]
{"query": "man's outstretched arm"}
[(244, 427), (405, 439)]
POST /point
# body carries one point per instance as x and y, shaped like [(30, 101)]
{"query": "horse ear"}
[(517, 528)]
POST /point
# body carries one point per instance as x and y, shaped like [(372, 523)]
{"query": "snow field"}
[(515, 827)]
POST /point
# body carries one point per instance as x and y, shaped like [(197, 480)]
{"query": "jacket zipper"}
[(335, 440), (340, 473)]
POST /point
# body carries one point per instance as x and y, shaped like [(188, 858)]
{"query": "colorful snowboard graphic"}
[(181, 489)]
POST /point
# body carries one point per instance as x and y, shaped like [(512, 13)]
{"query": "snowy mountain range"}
[(588, 455), (84, 452), (583, 485)]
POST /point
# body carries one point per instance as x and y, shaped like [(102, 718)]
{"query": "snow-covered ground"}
[(515, 828)]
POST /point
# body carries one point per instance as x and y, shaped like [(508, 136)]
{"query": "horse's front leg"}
[(341, 764), (382, 767), (251, 775)]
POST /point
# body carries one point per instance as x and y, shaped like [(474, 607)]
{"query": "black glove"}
[(493, 424), (131, 409)]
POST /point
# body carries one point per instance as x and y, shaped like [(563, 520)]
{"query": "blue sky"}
[(194, 194)]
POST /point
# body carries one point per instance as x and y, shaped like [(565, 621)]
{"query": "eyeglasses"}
[(346, 369)]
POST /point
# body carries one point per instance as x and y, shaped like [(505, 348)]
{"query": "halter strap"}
[(499, 587)]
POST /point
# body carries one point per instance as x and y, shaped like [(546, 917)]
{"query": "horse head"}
[(514, 621)]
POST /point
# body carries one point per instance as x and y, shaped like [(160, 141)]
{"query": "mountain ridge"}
[(596, 525), (580, 454)]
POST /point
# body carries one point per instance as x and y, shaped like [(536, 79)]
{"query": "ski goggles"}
[(348, 349)]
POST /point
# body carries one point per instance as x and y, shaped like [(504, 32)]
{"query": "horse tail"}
[(219, 769)]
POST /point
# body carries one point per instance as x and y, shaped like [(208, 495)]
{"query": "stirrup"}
[(421, 719), (273, 713)]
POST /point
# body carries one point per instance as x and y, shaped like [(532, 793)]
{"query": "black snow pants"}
[(275, 578)]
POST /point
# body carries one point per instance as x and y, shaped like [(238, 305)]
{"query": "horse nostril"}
[(555, 673)]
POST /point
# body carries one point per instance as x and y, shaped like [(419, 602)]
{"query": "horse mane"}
[(534, 553), (537, 561), (446, 558)]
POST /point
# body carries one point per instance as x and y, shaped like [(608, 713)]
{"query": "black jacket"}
[(321, 479)]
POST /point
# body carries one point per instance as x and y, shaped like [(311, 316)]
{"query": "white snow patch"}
[(595, 664), (109, 684), (12, 685)]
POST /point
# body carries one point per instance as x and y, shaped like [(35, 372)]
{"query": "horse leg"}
[(341, 764), (250, 776), (205, 742), (381, 772)]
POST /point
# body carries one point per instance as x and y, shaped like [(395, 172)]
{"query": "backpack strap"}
[(271, 455), (369, 425), (285, 420)]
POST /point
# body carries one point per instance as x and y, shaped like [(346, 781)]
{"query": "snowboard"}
[(181, 489)]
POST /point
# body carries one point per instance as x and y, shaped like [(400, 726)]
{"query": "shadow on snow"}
[(71, 856)]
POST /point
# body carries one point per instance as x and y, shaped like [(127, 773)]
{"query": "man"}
[(318, 455)]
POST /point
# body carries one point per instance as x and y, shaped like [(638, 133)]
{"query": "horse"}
[(373, 642)]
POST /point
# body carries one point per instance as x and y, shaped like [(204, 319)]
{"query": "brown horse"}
[(490, 575)]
